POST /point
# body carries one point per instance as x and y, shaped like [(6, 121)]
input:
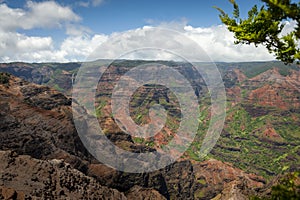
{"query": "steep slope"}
[(261, 133), (36, 121)]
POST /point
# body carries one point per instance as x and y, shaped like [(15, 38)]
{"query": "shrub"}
[(4, 78)]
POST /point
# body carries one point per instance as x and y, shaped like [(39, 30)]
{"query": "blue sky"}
[(120, 15), (41, 30)]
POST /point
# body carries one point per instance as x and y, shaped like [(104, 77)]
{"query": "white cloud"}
[(47, 14), (19, 47), (97, 2), (89, 3), (289, 26), (217, 41), (11, 43), (15, 46), (77, 30), (83, 3), (79, 47), (33, 44)]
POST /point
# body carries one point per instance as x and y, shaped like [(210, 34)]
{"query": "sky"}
[(67, 30)]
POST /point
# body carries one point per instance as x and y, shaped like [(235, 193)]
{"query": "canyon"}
[(259, 142)]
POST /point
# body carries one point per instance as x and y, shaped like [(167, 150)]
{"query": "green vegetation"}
[(264, 26), (199, 194), (287, 188), (138, 140), (4, 78), (245, 145), (253, 70), (147, 142), (101, 105), (194, 150), (56, 87), (202, 181)]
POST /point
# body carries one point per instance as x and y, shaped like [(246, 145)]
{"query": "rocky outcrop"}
[(232, 192), (37, 121), (185, 180), (217, 178), (23, 177), (137, 192)]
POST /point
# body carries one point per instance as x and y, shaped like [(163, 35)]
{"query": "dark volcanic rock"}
[(39, 97), (185, 180), (23, 177), (37, 121)]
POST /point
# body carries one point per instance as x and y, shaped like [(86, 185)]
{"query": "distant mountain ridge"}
[(59, 75)]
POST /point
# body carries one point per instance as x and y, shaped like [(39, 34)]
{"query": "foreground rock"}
[(23, 176)]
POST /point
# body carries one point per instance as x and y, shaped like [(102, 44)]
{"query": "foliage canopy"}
[(264, 26)]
